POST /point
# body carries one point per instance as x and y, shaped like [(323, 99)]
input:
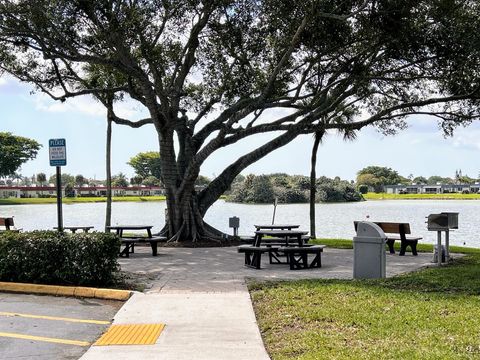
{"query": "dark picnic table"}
[(74, 229), (121, 228), (286, 234), (130, 240), (277, 227)]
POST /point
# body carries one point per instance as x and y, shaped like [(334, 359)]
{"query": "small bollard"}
[(234, 222)]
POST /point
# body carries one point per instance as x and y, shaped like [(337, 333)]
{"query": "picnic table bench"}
[(288, 243), (74, 229), (130, 240), (297, 257), (253, 254), (398, 231), (7, 224)]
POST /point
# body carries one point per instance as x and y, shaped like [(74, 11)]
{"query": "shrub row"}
[(50, 257)]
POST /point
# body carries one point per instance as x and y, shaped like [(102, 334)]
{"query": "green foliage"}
[(50, 257), (202, 181), (363, 189), (151, 181), (146, 164), (377, 177), (255, 189), (119, 180), (420, 180), (14, 151), (80, 180), (291, 189), (441, 301), (433, 180), (66, 179), (136, 180), (41, 178), (69, 191)]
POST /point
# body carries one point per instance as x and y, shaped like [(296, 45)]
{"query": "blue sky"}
[(419, 150)]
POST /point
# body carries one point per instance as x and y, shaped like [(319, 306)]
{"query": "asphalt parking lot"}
[(49, 327)]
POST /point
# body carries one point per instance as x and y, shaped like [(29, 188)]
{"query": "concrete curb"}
[(75, 291)]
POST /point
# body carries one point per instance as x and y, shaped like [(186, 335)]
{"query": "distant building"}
[(433, 189), (89, 191)]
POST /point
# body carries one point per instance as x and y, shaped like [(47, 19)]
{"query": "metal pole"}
[(447, 245), (439, 248), (274, 209), (59, 199)]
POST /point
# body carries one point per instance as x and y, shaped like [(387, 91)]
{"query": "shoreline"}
[(367, 197), (78, 200), (385, 196)]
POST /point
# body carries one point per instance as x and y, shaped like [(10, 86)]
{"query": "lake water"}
[(332, 220)]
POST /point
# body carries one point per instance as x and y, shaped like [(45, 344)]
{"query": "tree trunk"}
[(108, 211), (313, 177)]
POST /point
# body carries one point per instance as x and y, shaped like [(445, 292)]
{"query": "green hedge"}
[(50, 257)]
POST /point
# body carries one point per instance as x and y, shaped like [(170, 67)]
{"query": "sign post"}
[(58, 158)]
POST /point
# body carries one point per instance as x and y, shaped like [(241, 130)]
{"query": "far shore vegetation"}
[(385, 196), (428, 314), (73, 200)]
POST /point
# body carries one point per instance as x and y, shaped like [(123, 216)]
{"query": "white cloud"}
[(3, 81), (467, 139)]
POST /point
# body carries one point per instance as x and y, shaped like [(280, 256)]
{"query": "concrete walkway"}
[(202, 297)]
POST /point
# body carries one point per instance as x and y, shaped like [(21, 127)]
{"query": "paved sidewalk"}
[(201, 296)]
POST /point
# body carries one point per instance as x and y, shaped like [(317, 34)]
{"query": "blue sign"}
[(58, 152)]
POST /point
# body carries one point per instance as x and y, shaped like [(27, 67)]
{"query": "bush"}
[(363, 189), (50, 257)]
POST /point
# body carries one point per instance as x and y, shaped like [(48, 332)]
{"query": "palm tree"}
[(313, 176)]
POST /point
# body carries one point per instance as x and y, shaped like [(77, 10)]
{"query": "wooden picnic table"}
[(74, 229), (277, 227)]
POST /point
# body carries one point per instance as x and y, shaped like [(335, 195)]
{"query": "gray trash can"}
[(369, 259)]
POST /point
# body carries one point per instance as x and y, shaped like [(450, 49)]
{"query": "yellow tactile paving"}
[(56, 318), (131, 334), (44, 339)]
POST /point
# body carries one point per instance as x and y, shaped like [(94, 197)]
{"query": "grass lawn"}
[(385, 196), (429, 314), (66, 200)]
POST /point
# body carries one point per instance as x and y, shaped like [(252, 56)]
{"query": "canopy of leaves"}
[(291, 189), (378, 176), (14, 151), (119, 180), (41, 178), (146, 164), (66, 179), (212, 73)]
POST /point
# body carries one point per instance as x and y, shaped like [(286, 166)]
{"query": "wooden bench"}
[(7, 224), (253, 254), (398, 231), (129, 243), (297, 257)]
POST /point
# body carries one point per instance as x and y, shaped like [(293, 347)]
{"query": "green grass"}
[(385, 196), (428, 314), (20, 201), (348, 244)]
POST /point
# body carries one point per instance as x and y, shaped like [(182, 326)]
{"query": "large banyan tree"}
[(213, 73)]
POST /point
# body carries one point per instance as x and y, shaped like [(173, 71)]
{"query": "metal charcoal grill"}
[(444, 221)]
